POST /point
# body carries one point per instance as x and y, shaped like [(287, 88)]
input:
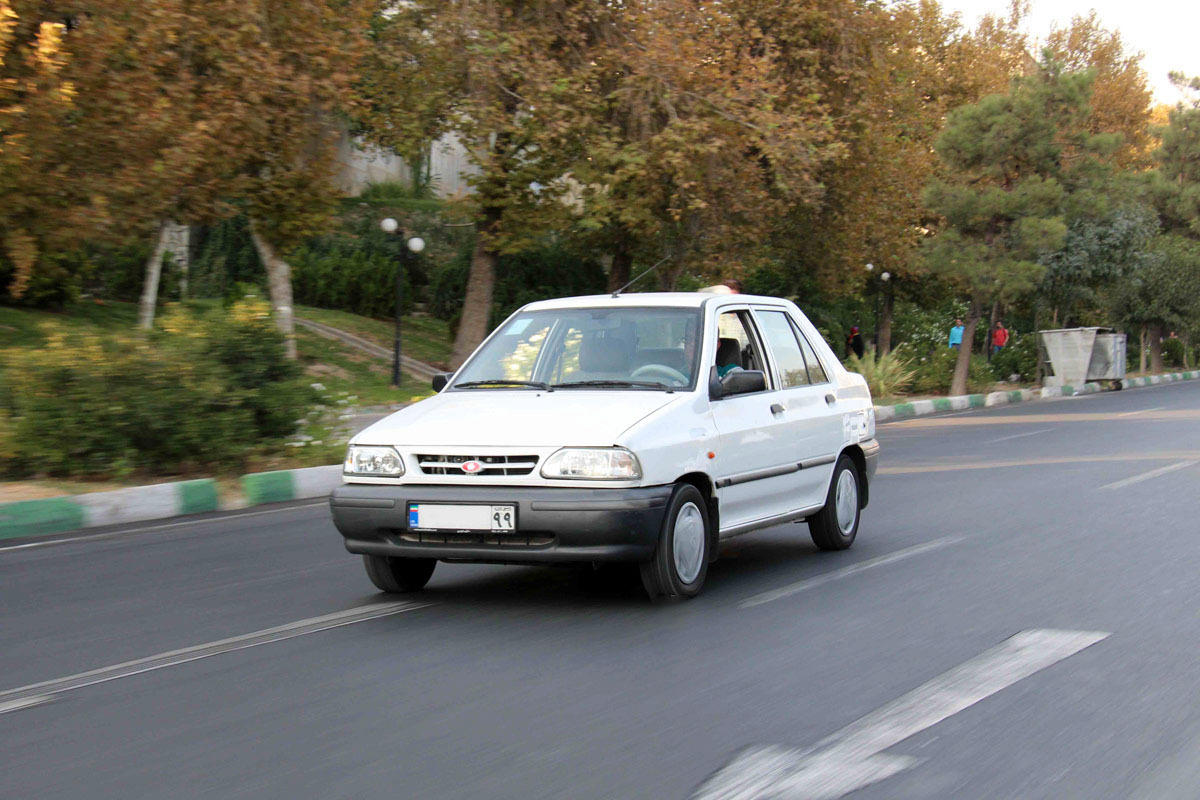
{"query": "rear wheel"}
[(399, 574), (835, 526), (680, 561)]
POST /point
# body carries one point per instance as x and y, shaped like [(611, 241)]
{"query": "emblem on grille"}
[(471, 467)]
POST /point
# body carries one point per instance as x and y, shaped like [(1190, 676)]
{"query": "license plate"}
[(445, 517)]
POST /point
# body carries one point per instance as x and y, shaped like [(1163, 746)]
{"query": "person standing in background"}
[(999, 337), (854, 343), (956, 334)]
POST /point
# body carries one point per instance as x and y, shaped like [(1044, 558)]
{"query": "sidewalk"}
[(418, 369)]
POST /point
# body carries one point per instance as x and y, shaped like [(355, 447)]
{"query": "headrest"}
[(605, 351), (728, 352)]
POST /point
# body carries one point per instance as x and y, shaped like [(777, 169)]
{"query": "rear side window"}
[(816, 373), (781, 337)]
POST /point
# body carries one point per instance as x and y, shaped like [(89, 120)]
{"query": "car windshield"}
[(630, 349)]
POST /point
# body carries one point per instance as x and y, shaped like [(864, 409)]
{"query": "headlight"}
[(597, 464), (373, 460)]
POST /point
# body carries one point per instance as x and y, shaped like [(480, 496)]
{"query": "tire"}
[(680, 562), (829, 528), (399, 574)]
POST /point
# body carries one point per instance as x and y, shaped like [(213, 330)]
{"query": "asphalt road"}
[(1076, 519)]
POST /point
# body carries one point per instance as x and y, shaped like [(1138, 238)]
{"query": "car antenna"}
[(640, 276)]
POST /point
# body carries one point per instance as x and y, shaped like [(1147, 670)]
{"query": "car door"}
[(810, 423), (754, 476)]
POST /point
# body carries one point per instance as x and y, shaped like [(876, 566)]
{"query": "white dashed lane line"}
[(847, 571), (1145, 476)]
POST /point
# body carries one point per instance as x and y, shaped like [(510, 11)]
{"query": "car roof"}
[(657, 299)]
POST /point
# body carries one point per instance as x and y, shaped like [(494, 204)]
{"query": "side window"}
[(785, 347), (736, 346), (816, 373)]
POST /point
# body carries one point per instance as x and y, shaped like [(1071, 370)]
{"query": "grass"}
[(423, 337), (21, 327)]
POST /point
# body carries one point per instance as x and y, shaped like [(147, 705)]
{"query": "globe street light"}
[(413, 246)]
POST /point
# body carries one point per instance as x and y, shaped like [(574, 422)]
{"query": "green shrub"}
[(1172, 351), (935, 372), (1018, 357), (341, 274), (887, 375), (201, 393)]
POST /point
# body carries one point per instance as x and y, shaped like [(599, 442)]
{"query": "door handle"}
[(829, 398), (776, 408)]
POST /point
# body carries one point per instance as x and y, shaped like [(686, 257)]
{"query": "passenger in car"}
[(729, 356)]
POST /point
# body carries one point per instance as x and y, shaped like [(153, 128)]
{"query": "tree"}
[(35, 98), (1120, 97), (708, 124), (1010, 156), (200, 111)]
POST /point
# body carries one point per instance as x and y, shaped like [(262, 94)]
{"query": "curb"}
[(920, 408), (30, 518), (135, 504)]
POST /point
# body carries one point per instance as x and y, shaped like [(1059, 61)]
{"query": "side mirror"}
[(745, 381), (740, 381), (440, 380)]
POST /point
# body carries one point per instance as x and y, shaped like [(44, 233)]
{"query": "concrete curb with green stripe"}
[(920, 408), (30, 518), (160, 501)]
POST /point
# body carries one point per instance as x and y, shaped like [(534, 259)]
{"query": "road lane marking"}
[(847, 571), (853, 757), (1141, 411), (28, 702), (148, 528), (19, 697), (952, 466), (1145, 476), (1018, 435)]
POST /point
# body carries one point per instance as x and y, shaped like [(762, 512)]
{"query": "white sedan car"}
[(640, 428)]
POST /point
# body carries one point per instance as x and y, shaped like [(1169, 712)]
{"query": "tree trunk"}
[(884, 340), (279, 286), (150, 287), (177, 238), (622, 265), (473, 324), (1142, 351), (1155, 333), (958, 385), (1187, 350)]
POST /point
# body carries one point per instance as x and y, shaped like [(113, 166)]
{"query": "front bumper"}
[(553, 525)]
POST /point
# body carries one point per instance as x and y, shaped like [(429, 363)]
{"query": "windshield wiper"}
[(503, 382), (613, 383)]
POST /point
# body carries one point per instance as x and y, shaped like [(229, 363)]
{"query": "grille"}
[(515, 539), (431, 464)]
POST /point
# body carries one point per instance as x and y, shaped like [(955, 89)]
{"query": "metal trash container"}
[(1074, 356)]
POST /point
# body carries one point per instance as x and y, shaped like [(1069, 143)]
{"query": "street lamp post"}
[(414, 245)]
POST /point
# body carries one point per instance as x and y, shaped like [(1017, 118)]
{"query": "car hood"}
[(501, 417)]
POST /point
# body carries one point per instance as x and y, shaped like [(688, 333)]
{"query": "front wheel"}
[(835, 526), (680, 561), (391, 574)]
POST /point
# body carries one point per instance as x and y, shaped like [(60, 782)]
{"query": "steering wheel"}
[(659, 372)]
